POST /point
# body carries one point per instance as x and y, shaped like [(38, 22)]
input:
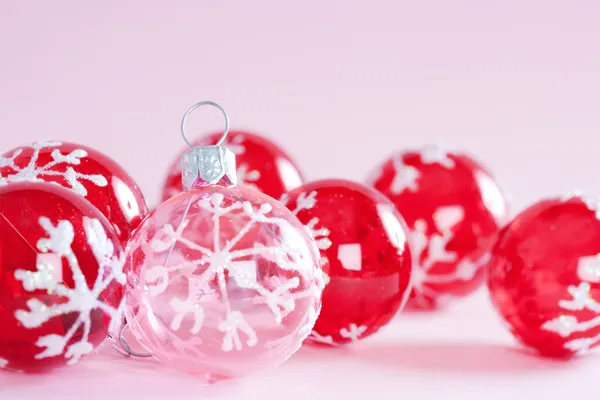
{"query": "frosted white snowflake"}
[(565, 325), (80, 299), (3, 363), (352, 332), (235, 143), (219, 262), (32, 172), (318, 338), (247, 177), (405, 177), (306, 202), (319, 234), (445, 219), (591, 202), (433, 154)]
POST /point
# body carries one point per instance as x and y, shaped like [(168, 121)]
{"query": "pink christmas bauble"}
[(454, 209), (544, 276), (61, 276), (86, 172), (261, 164), (223, 282), (364, 246)]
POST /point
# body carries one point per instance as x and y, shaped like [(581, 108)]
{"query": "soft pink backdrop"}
[(339, 84)]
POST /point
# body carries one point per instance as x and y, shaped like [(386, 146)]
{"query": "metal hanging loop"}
[(125, 349), (200, 104)]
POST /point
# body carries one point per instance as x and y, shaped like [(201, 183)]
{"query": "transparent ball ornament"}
[(223, 281)]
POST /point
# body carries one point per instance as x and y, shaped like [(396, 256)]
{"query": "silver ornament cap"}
[(208, 165)]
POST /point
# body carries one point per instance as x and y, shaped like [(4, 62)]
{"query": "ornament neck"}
[(208, 165)]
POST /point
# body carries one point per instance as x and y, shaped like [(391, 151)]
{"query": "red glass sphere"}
[(261, 164), (61, 276), (86, 172), (544, 276), (453, 209), (363, 243)]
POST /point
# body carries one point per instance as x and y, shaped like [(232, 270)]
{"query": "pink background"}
[(516, 83)]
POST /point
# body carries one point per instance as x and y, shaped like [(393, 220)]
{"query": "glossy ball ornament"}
[(363, 243), (223, 282), (544, 276), (86, 172), (454, 209), (61, 276), (261, 164)]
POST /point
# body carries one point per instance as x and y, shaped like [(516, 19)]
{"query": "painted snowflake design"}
[(247, 177), (565, 325), (406, 176), (307, 202), (219, 262), (235, 143), (434, 154), (591, 202), (353, 332), (446, 218), (33, 172), (81, 299)]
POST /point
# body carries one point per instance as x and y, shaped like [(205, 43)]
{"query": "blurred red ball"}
[(454, 209), (544, 277)]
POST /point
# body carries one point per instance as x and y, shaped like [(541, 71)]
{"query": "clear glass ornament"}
[(223, 281)]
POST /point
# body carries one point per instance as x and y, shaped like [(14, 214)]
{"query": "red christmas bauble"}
[(261, 164), (61, 276), (363, 244), (86, 172), (544, 276), (453, 209)]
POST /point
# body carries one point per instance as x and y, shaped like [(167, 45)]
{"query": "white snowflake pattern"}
[(318, 338), (406, 176), (352, 332), (32, 172), (434, 154), (591, 202), (235, 143), (80, 299), (307, 202), (218, 262), (445, 219), (565, 325), (247, 177)]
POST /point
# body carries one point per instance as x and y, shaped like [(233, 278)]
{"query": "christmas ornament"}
[(454, 210), (261, 165), (224, 280), (363, 242), (544, 277), (60, 276), (86, 172)]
